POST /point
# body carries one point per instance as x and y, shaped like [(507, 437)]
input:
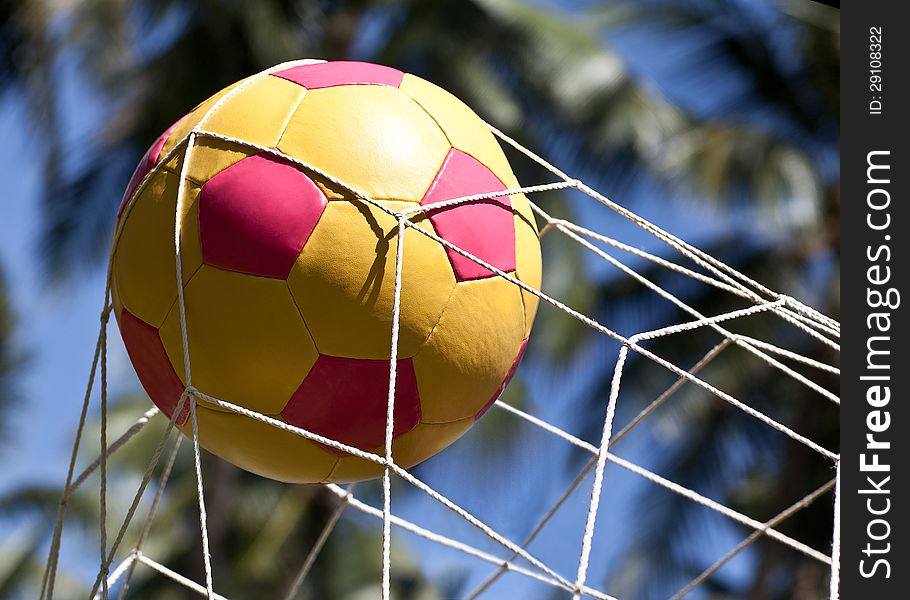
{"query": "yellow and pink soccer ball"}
[(288, 277)]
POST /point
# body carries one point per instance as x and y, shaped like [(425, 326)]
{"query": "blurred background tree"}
[(9, 358), (723, 108)]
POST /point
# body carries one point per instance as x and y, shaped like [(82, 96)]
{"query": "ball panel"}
[(341, 72), (189, 121), (344, 281), (417, 445), (248, 344), (350, 469), (464, 129), (372, 137), (147, 354), (256, 215), (146, 163), (144, 260), (270, 100), (261, 448), (505, 381), (190, 242), (427, 439), (209, 157), (527, 254), (346, 399), (485, 228), (116, 304), (470, 351)]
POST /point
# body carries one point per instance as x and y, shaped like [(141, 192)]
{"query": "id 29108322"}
[(875, 70)]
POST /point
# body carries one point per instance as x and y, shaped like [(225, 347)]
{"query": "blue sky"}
[(57, 327)]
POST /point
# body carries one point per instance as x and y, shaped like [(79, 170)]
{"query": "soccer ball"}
[(288, 274)]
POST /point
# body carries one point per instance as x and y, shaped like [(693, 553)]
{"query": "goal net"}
[(588, 489)]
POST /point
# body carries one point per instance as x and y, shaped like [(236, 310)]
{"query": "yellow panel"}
[(527, 254), (415, 446), (372, 137), (471, 350), (351, 468), (116, 304), (344, 281), (192, 118), (464, 129), (260, 448), (190, 240), (259, 112), (145, 269), (248, 343), (209, 157)]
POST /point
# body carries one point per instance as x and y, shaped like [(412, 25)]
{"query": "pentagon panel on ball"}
[(364, 131), (283, 194)]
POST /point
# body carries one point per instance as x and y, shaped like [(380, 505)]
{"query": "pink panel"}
[(256, 216), (342, 72), (148, 161), (505, 382), (152, 365), (485, 228), (345, 399)]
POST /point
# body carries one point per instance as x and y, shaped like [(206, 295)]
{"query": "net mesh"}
[(512, 557)]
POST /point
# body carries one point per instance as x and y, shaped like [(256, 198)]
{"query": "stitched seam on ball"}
[(444, 134), (432, 116), (442, 313), (176, 298), (449, 422), (454, 147), (327, 478), (300, 312), (290, 116), (524, 309)]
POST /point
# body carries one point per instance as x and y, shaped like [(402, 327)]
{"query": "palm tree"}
[(551, 82)]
